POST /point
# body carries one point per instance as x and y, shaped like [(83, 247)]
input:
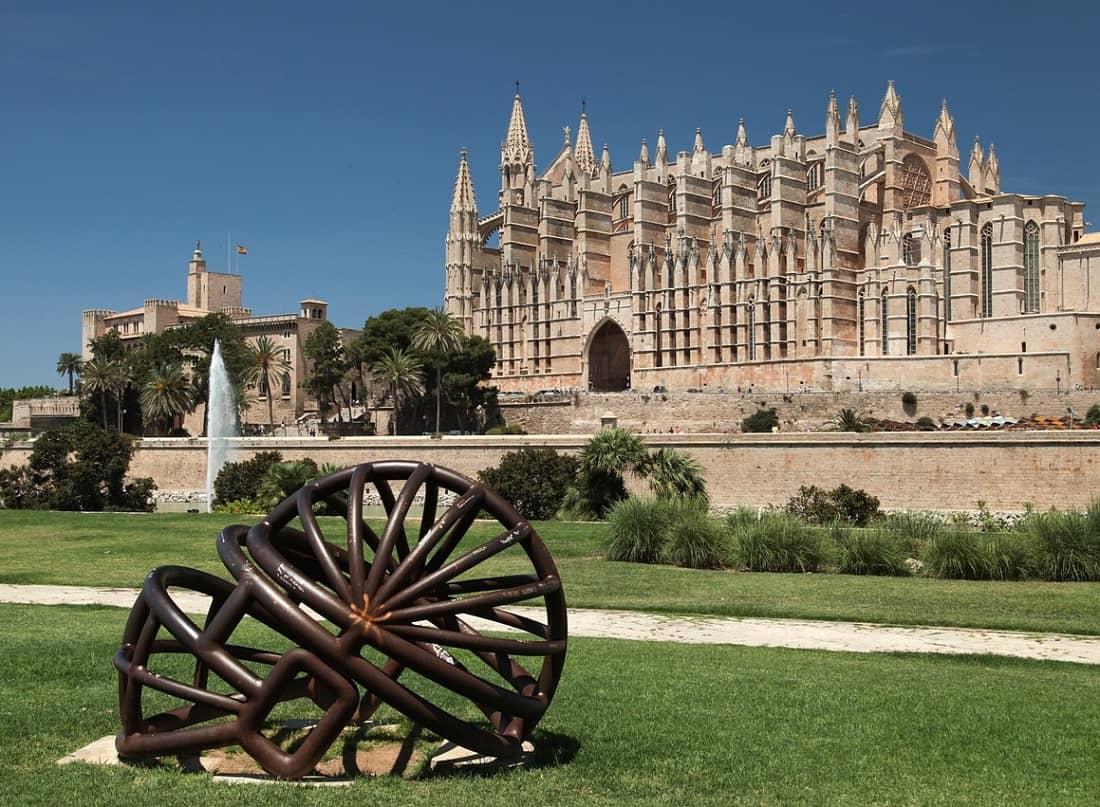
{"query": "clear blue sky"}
[(325, 136)]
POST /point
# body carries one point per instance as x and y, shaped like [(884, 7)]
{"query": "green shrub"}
[(238, 507), (1067, 544), (908, 399), (79, 467), (638, 529), (594, 494), (969, 410), (534, 480), (875, 552), (842, 503), (854, 505), (926, 424), (240, 481), (763, 420), (776, 542), (695, 540)]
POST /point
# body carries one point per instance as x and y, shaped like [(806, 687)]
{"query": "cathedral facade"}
[(861, 258)]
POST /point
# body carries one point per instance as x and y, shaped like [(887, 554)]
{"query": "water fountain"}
[(221, 420)]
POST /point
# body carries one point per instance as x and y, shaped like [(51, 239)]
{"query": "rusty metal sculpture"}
[(399, 619)]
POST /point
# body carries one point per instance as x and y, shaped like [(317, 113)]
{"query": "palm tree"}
[(267, 370), (403, 374), (106, 376), (674, 475), (438, 335), (849, 420), (70, 364), (166, 395)]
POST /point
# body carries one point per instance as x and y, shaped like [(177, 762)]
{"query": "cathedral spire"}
[(851, 128), (586, 157), (742, 152), (643, 155), (463, 199), (698, 146), (788, 127), (605, 159), (832, 120), (992, 171), (662, 147), (517, 145), (889, 115), (974, 170), (944, 133)]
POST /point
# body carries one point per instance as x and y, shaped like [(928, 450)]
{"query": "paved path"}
[(852, 637)]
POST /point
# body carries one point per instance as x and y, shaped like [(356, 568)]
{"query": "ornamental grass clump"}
[(870, 552), (695, 540), (1009, 555), (638, 530), (776, 542), (1067, 544), (913, 529), (956, 555)]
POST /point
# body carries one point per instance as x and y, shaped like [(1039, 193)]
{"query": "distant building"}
[(862, 257), (220, 292)]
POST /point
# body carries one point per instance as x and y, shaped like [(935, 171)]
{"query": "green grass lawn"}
[(633, 722), (118, 549)]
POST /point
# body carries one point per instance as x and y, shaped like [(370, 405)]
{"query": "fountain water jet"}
[(221, 421)]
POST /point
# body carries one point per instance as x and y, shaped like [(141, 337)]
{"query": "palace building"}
[(866, 257), (221, 292)]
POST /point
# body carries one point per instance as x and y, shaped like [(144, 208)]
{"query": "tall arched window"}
[(911, 321), (671, 195), (764, 188), (813, 176), (862, 323), (286, 385), (946, 274), (624, 206), (657, 324), (766, 310), (716, 197), (1031, 268), (986, 280), (751, 327), (884, 325), (908, 256)]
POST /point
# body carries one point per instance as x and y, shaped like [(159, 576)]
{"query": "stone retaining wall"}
[(912, 470), (709, 412)]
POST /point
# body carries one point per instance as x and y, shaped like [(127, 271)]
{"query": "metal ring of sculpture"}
[(399, 620)]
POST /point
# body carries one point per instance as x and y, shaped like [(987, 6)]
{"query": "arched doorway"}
[(608, 359)]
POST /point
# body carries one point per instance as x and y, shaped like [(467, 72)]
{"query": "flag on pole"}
[(241, 249)]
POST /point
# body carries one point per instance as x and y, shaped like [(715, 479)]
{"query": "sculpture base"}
[(379, 750), (454, 757), (383, 752)]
